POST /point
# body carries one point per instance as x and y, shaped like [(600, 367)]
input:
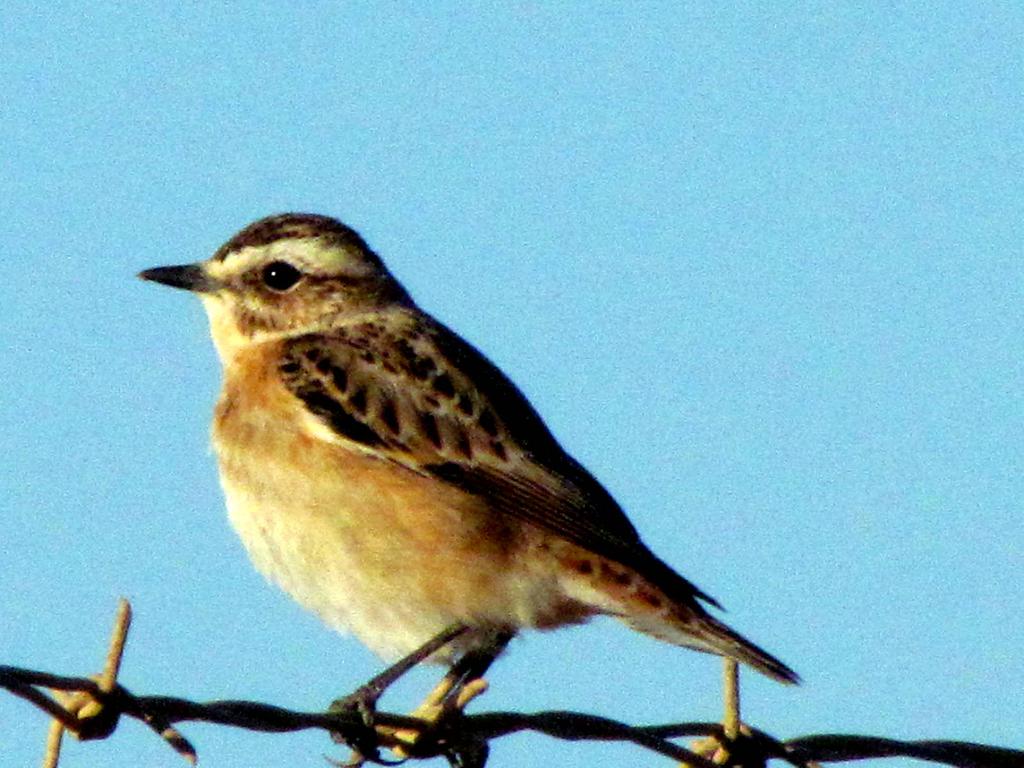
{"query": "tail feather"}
[(703, 632), (685, 622), (659, 602), (727, 642)]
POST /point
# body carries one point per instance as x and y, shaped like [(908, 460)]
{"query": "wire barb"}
[(81, 712)]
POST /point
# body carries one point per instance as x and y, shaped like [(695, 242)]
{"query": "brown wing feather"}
[(415, 393)]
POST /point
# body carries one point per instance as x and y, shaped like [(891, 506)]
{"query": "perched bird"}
[(390, 478)]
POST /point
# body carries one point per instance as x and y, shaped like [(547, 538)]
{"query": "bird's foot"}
[(362, 700), (448, 699), (450, 695), (364, 742)]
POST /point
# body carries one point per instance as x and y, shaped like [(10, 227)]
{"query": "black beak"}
[(191, 277)]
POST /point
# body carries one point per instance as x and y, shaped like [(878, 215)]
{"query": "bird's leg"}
[(474, 664), (471, 667), (463, 682), (364, 698)]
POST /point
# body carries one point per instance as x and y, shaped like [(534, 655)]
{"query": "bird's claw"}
[(364, 743)]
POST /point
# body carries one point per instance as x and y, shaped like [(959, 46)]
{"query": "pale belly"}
[(377, 550)]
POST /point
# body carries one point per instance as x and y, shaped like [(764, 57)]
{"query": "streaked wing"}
[(411, 391)]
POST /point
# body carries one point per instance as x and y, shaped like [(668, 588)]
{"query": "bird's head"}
[(285, 275)]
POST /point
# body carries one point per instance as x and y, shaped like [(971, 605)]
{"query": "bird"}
[(392, 479)]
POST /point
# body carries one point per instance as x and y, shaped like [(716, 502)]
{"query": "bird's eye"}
[(280, 276)]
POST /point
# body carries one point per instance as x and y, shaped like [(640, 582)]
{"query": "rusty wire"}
[(91, 708)]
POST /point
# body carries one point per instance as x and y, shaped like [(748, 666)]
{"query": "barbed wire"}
[(91, 708)]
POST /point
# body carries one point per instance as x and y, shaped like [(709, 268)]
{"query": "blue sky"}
[(760, 270)]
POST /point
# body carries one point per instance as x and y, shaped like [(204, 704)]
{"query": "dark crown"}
[(293, 226)]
